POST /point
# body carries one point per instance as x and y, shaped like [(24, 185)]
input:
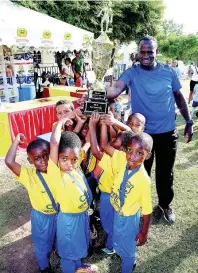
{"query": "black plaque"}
[(98, 95), (93, 106)]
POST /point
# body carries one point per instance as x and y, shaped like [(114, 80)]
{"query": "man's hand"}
[(141, 238), (95, 117), (188, 132), (108, 119), (20, 139)]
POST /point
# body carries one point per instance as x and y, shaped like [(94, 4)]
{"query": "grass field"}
[(169, 249)]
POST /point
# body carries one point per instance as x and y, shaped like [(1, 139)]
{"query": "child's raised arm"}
[(55, 138), (104, 141), (95, 149), (110, 120), (11, 155)]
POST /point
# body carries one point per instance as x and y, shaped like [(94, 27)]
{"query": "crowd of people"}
[(73, 72), (99, 167)]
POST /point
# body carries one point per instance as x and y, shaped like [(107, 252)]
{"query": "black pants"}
[(164, 151)]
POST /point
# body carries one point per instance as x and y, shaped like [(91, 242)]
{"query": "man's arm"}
[(11, 155), (183, 108), (116, 89)]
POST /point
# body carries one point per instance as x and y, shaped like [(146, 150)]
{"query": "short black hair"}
[(143, 138), (148, 38), (68, 59), (69, 140), (61, 102), (36, 144)]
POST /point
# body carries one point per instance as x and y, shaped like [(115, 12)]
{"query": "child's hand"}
[(141, 238), (66, 121), (108, 119), (95, 117), (20, 138), (80, 114)]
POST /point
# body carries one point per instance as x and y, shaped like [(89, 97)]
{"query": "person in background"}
[(78, 64), (79, 81), (194, 80), (68, 72), (195, 100), (176, 68), (156, 102)]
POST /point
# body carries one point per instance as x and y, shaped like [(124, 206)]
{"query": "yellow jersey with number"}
[(71, 197), (137, 192), (39, 198)]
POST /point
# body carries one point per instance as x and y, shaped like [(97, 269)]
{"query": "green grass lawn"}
[(169, 249)]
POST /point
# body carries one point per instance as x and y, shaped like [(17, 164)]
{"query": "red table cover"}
[(32, 122)]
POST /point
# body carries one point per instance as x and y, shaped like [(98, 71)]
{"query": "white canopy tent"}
[(20, 26)]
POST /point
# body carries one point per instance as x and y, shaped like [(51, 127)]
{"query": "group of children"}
[(91, 163)]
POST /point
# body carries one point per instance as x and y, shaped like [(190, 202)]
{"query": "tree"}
[(170, 27), (184, 47), (132, 19)]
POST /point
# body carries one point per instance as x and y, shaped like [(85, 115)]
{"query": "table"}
[(61, 90), (31, 118)]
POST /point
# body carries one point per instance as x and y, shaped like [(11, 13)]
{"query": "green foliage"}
[(131, 19), (184, 47), (170, 27)]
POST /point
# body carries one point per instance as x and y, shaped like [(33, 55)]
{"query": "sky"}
[(183, 12)]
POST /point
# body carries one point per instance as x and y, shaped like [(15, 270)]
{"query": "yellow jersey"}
[(137, 192), (70, 196), (107, 177), (89, 160), (39, 198)]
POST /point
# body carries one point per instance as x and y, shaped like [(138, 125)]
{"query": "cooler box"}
[(27, 92)]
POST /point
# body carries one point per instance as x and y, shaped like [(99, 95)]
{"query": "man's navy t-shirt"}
[(152, 95)]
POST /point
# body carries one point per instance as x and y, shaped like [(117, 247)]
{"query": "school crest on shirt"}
[(129, 187)]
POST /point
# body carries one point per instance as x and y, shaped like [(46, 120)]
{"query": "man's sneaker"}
[(158, 212), (87, 268), (169, 215), (108, 251)]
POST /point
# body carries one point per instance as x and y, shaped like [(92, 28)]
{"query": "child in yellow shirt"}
[(106, 179), (42, 197), (131, 192), (74, 198), (136, 122)]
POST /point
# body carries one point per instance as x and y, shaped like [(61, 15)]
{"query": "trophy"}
[(96, 102)]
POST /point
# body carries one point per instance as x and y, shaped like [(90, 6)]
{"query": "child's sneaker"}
[(108, 251), (87, 268)]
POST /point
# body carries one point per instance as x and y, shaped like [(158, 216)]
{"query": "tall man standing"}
[(155, 89)]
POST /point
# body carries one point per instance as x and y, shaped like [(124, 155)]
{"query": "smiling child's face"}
[(39, 157), (136, 154)]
